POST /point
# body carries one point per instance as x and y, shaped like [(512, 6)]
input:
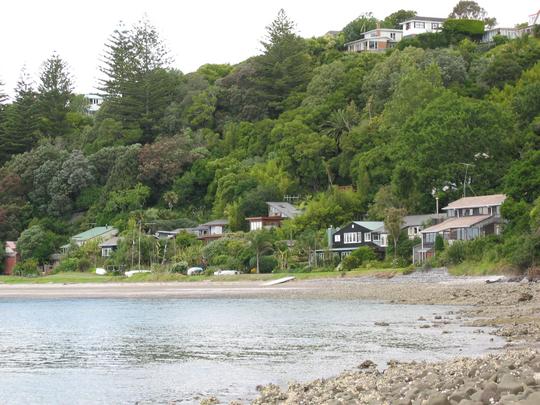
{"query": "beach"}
[(511, 309)]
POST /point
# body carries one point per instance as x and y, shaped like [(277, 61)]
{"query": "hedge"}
[(468, 27)]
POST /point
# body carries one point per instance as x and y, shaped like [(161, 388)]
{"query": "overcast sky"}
[(196, 32)]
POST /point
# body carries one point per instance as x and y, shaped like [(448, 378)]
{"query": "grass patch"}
[(90, 277), (468, 268)]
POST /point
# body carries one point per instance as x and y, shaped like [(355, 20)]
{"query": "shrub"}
[(473, 28), (180, 267), (84, 264), (27, 268), (358, 257), (455, 253), (70, 264), (266, 263), (439, 243)]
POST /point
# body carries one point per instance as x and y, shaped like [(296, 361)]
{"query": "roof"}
[(287, 209), (110, 242), (11, 248), (428, 19), (93, 233), (417, 220), (458, 222), (216, 222), (371, 225), (475, 202)]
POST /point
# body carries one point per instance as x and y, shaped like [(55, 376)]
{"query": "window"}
[(106, 252), (393, 35), (375, 237), (418, 24), (256, 225), (352, 237), (367, 237), (337, 238), (407, 26), (435, 26)]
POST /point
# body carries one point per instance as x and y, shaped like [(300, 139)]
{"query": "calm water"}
[(164, 350)]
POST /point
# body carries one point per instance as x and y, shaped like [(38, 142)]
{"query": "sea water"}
[(116, 351)]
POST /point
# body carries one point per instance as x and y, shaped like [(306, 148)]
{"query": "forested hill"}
[(301, 118)]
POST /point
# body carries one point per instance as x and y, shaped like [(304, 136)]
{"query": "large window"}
[(367, 237), (435, 26), (418, 24), (337, 238), (352, 237)]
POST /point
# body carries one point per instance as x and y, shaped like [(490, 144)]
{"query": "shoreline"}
[(509, 375)]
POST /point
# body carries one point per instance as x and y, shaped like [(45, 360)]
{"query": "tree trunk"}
[(257, 262)]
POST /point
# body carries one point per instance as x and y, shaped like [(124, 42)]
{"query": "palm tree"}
[(261, 242)]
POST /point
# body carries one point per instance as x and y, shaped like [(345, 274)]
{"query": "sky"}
[(195, 32)]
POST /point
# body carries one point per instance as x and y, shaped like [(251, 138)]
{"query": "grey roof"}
[(417, 220), (287, 209), (216, 222), (371, 225), (477, 201), (110, 242), (428, 19)]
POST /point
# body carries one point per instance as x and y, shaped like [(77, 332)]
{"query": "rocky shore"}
[(509, 376)]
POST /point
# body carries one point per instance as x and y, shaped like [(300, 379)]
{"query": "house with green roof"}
[(97, 233)]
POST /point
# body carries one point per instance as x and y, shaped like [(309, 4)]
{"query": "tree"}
[(261, 243), (471, 10), (3, 96), (353, 30), (285, 67), (37, 243), (22, 119), (393, 222), (468, 10), (394, 19), (54, 94), (138, 86)]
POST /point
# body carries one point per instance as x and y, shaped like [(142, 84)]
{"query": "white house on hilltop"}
[(421, 25)]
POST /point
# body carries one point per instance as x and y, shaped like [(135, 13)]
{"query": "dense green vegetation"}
[(169, 149)]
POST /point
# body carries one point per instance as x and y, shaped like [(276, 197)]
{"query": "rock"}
[(438, 399), (490, 394), (209, 401), (367, 364), (438, 317), (509, 384), (424, 326), (525, 297), (533, 399), (382, 324)]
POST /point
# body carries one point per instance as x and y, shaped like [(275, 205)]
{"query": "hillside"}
[(169, 150)]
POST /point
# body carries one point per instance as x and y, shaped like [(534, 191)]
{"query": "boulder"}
[(509, 384)]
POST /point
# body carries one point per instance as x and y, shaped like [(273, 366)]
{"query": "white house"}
[(468, 218), (377, 40), (94, 102), (421, 25), (510, 33)]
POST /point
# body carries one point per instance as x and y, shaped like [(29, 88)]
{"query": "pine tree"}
[(21, 119), (54, 93), (136, 85), (3, 96)]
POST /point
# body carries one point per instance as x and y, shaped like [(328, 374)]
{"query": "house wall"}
[(353, 236), (416, 28), (9, 264)]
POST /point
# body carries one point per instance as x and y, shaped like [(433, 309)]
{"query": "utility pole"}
[(467, 165)]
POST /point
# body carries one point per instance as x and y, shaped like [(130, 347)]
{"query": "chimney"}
[(378, 33)]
